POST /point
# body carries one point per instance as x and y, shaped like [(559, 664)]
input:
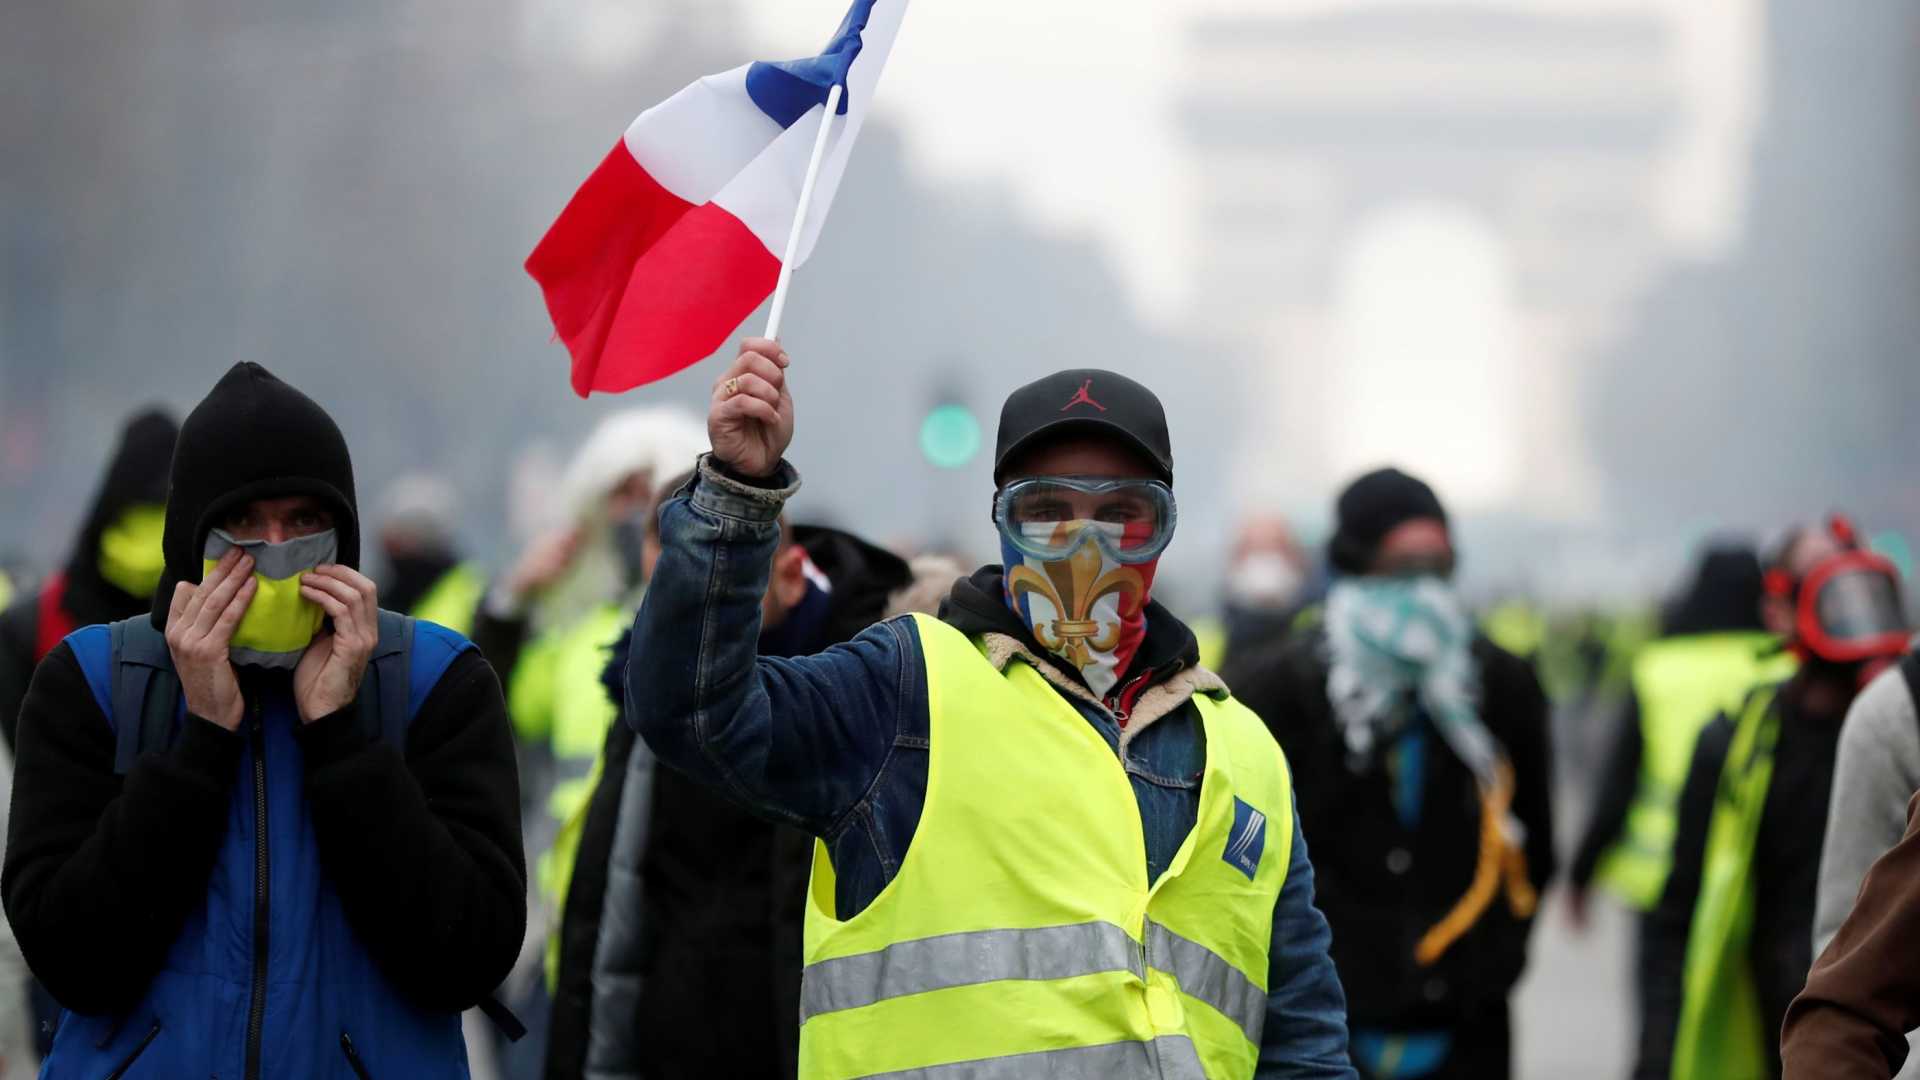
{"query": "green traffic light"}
[(950, 436)]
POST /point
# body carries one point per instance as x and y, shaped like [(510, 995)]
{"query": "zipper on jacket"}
[(126, 1063), (257, 1008), (353, 1058)]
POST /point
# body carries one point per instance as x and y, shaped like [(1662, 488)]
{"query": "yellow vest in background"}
[(1021, 929), (1682, 683)]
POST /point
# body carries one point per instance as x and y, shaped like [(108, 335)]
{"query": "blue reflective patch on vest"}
[(1247, 840)]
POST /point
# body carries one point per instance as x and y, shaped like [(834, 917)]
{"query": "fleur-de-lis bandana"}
[(1088, 608)]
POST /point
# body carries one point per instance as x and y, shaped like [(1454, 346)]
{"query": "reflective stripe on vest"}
[(1721, 1033), (1021, 936), (1681, 683), (1172, 1056)]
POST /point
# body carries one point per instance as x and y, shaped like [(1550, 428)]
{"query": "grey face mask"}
[(279, 623)]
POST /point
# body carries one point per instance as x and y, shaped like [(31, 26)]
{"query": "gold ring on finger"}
[(733, 385)]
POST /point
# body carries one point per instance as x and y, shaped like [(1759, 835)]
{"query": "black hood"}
[(978, 605), (863, 577), (253, 437), (1723, 596), (137, 474)]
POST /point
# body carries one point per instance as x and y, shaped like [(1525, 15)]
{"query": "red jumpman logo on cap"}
[(1083, 397)]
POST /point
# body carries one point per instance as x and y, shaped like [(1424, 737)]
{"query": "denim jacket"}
[(837, 743)]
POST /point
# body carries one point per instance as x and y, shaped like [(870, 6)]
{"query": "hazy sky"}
[(1069, 104)]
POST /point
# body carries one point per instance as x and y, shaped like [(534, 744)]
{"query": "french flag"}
[(678, 235)]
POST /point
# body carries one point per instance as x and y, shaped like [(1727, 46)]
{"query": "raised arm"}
[(802, 740)]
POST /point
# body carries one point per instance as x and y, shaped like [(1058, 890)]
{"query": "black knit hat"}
[(252, 437), (1372, 507), (1084, 401)]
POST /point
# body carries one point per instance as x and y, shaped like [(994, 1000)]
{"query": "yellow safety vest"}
[(1021, 934), (453, 600), (1682, 683), (1721, 1035)]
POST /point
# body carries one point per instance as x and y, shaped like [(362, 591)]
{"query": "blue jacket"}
[(837, 743), (282, 940)]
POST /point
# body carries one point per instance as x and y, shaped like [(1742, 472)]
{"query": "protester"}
[(1713, 650), (680, 947), (1876, 771), (1730, 943), (1862, 999), (1039, 817), (268, 829), (111, 570), (548, 625), (1269, 582), (424, 575), (1421, 758)]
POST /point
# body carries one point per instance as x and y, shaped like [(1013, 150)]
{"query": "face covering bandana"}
[(1080, 553), (130, 555), (279, 623), (1400, 638)]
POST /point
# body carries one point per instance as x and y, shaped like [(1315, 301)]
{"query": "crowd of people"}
[(696, 789)]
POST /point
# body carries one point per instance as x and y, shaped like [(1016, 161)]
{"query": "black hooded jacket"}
[(722, 890), (136, 475), (421, 843)]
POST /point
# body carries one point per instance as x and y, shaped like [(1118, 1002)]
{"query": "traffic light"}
[(950, 436)]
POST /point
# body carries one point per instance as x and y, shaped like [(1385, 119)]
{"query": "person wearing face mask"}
[(1049, 842), (266, 829), (112, 569), (1730, 942), (424, 575), (1422, 764), (1269, 585), (548, 624)]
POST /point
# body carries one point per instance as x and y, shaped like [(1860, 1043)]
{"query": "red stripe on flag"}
[(641, 283)]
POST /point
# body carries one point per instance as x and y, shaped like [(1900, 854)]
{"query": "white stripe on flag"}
[(765, 194), (695, 142)]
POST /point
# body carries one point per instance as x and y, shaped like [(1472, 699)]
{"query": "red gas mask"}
[(1847, 609)]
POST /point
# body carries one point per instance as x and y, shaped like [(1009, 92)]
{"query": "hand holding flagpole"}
[(800, 216)]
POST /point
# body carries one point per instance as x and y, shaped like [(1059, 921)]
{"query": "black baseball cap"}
[(1084, 401)]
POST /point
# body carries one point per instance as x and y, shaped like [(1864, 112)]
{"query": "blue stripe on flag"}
[(785, 90)]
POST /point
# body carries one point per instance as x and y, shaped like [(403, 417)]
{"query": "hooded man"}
[(267, 829), (1730, 943), (1051, 844), (1421, 752), (111, 572)]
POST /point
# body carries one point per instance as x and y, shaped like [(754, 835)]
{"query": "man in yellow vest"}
[(1051, 844), (1713, 650), (1731, 941)]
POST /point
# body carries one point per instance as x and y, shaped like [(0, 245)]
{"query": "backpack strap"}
[(145, 690), (385, 705)]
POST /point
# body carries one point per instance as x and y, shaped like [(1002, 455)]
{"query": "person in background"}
[(112, 568), (1051, 844), (424, 575), (1422, 761), (1730, 942), (1862, 999), (680, 939), (1269, 583), (110, 574), (266, 829), (1876, 771), (1713, 649), (548, 625)]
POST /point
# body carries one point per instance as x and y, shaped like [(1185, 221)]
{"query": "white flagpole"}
[(800, 215)]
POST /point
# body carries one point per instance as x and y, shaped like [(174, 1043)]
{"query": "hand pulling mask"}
[(1080, 556), (279, 623)]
